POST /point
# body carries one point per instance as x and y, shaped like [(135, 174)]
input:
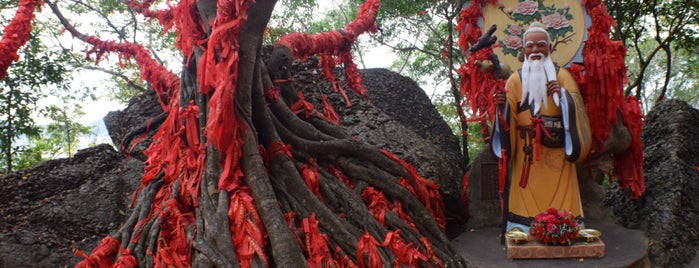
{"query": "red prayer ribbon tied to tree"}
[(17, 33), (101, 256), (177, 156), (477, 87), (601, 81), (603, 91), (317, 245), (165, 17), (337, 43), (426, 190)]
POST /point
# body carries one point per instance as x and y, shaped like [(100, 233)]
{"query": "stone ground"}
[(624, 248)]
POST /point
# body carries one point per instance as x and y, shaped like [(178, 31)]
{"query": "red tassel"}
[(426, 190), (376, 203), (538, 124), (464, 191), (330, 113), (102, 256), (342, 259), (628, 166), (126, 260), (336, 43), (524, 179), (310, 176), (603, 83), (502, 177), (247, 232), (367, 249), (317, 245), (305, 107)]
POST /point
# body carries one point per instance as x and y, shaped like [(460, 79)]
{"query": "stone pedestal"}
[(623, 248), (538, 250)]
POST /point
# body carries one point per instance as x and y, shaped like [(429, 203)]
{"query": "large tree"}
[(659, 34), (243, 171)]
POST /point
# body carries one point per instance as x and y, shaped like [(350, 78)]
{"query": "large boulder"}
[(668, 211), (63, 204), (397, 115), (138, 120)]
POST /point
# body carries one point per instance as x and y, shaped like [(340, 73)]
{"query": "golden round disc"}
[(565, 20), (589, 233)]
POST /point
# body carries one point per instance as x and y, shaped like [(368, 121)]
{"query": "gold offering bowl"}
[(517, 236), (589, 235)]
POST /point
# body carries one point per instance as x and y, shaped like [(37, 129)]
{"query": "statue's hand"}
[(500, 97), (553, 87), (486, 40)]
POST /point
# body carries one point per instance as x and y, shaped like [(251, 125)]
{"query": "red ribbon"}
[(525, 172), (502, 175), (538, 124)]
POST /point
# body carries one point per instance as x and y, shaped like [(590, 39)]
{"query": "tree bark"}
[(316, 194)]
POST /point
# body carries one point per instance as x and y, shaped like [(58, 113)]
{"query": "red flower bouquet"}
[(555, 227)]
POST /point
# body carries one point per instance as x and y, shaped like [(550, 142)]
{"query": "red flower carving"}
[(527, 8)]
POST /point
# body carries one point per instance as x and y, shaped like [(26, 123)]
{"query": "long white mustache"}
[(535, 75), (538, 54)]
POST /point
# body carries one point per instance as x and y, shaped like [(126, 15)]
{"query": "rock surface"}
[(399, 117), (668, 211), (139, 113), (61, 204)]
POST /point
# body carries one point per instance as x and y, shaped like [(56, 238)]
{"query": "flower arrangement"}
[(555, 226)]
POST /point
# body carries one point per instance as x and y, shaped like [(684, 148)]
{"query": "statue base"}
[(485, 248), (538, 250)]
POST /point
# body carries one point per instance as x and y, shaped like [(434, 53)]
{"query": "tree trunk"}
[(243, 172)]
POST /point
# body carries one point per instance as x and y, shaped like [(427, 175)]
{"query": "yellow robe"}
[(553, 179)]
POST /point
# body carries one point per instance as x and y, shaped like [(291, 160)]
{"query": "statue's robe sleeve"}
[(578, 135)]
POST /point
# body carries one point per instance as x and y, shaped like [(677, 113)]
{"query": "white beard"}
[(535, 75)]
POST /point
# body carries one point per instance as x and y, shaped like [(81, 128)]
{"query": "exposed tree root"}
[(285, 188)]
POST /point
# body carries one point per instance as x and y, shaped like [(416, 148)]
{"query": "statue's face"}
[(536, 42)]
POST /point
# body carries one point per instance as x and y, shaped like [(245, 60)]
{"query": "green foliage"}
[(685, 81), (26, 83), (295, 16), (65, 130), (58, 138), (476, 140), (40, 149), (113, 20), (426, 54), (403, 8), (42, 75), (661, 36)]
